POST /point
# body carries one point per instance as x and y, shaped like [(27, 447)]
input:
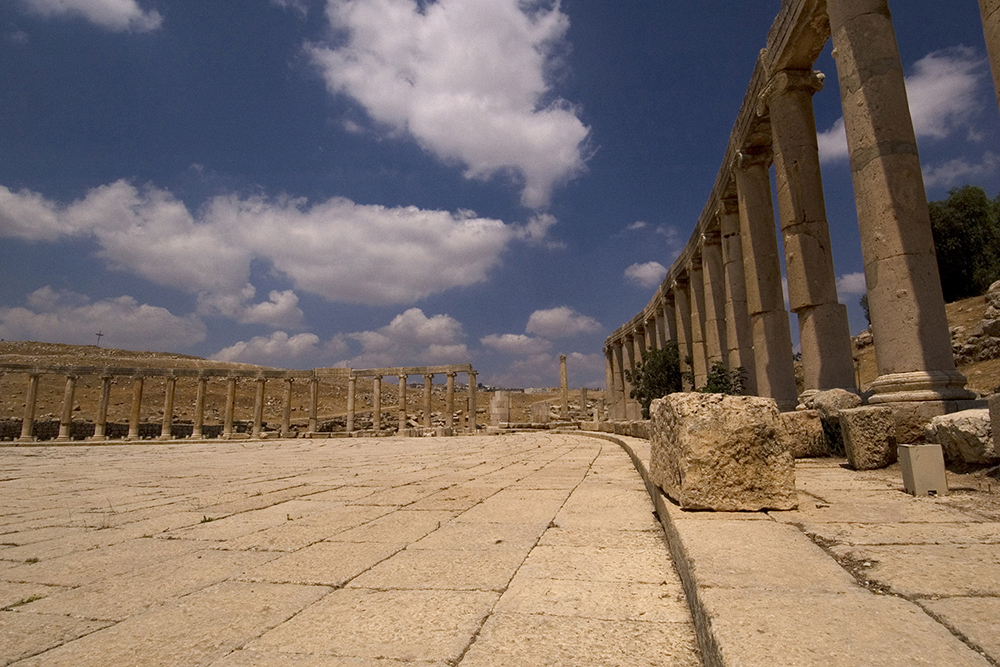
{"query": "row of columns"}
[(100, 424), (727, 300)]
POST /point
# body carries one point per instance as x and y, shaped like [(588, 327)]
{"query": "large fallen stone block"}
[(803, 434), (869, 437), (964, 436), (828, 404), (724, 453)]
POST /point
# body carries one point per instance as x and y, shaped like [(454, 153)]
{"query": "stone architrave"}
[(824, 333), (869, 436), (30, 405), (909, 325), (722, 453), (66, 421), (772, 339), (699, 356), (716, 347), (739, 336), (990, 10), (563, 388), (682, 309)]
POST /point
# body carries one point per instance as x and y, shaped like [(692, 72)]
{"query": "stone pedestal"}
[(869, 437), (539, 413), (923, 470), (500, 408)]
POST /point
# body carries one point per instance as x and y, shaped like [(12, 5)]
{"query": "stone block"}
[(723, 453), (923, 470), (803, 434), (829, 403), (965, 436), (540, 413), (869, 436)]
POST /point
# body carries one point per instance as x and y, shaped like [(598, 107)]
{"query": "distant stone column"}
[(136, 416), (669, 318), (619, 409), (699, 357), (472, 402), (402, 403), (739, 336), (66, 420), (716, 346), (772, 339), (630, 364), (313, 404), (682, 311), (428, 381), (662, 323), (197, 432), (352, 390), (101, 423), (258, 409), (377, 403), (990, 10), (912, 341), (286, 409), (449, 400), (652, 335), (639, 343), (168, 409), (30, 404), (227, 423), (583, 401), (563, 387), (611, 392), (827, 361)]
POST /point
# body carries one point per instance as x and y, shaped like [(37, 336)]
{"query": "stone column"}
[(472, 402), (377, 403), (610, 386), (652, 335), (630, 413), (136, 416), (772, 339), (563, 387), (402, 403), (352, 390), (258, 409), (313, 404), (66, 420), (739, 337), (682, 312), (286, 409), (199, 410), (990, 10), (428, 381), (620, 409), (663, 335), (669, 318), (639, 342), (912, 341), (101, 424), (716, 346), (168, 409), (449, 400), (699, 358), (583, 401), (30, 404), (827, 360), (227, 424)]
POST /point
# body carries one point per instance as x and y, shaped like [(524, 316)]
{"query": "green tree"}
[(721, 380), (966, 229), (864, 306), (658, 374)]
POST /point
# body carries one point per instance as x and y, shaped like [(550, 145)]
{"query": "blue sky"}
[(307, 183)]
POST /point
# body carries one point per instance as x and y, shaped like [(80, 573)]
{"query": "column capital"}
[(727, 206), (428, 376), (756, 156), (403, 376), (713, 237), (451, 374), (786, 81)]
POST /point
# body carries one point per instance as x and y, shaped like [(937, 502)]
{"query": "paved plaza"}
[(533, 549)]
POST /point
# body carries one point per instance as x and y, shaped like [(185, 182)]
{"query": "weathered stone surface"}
[(724, 453), (965, 436), (803, 434), (869, 437), (829, 404)]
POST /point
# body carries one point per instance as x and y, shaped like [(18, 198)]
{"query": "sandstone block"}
[(869, 436), (803, 434), (965, 436), (724, 453), (540, 413), (829, 403)]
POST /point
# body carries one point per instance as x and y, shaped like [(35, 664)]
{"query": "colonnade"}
[(722, 300), (136, 378)]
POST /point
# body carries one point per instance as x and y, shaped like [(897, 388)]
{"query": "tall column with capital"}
[(449, 399), (652, 334), (990, 10), (167, 425), (136, 415), (699, 358), (472, 403), (402, 402), (101, 423), (377, 403), (772, 339), (611, 390), (716, 347), (669, 318), (428, 383), (66, 420), (827, 361), (909, 326), (258, 409), (631, 404), (662, 333), (199, 409), (313, 404), (682, 311), (227, 420), (563, 388), (286, 409), (30, 405), (619, 411), (739, 336), (352, 390)]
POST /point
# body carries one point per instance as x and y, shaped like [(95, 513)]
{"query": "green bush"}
[(658, 374), (966, 229)]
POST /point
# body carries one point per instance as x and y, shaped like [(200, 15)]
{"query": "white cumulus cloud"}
[(468, 80), (274, 350), (66, 317), (516, 344), (646, 275), (411, 338), (115, 15), (561, 322), (960, 170), (851, 284)]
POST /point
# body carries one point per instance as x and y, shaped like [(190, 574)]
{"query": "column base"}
[(920, 386), (63, 438), (97, 438), (26, 439)]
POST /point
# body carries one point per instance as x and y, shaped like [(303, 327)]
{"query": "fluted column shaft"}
[(199, 409), (167, 424), (682, 311), (402, 402), (101, 423), (428, 382), (227, 422)]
